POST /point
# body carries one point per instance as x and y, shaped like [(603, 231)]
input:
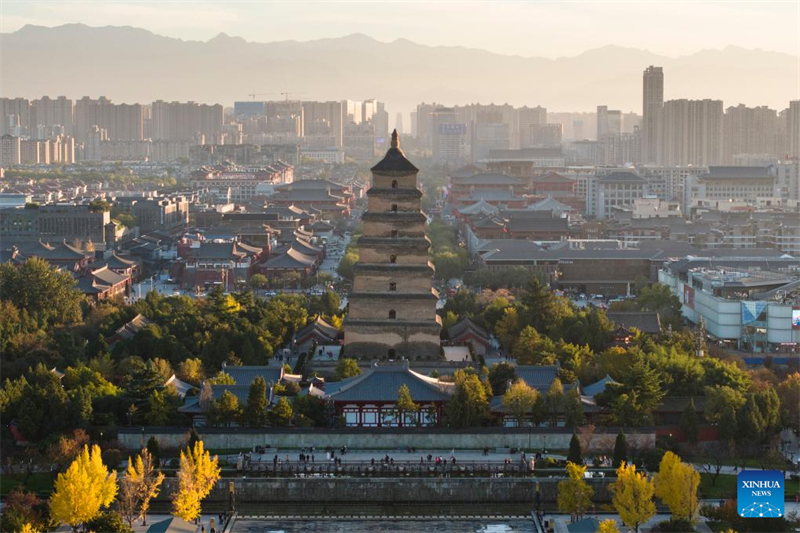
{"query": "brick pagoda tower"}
[(393, 305)]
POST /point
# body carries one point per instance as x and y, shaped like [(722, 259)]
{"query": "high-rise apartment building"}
[(449, 137), (609, 121), (49, 112), (692, 132), (793, 128), (184, 121), (324, 121), (749, 130), (528, 118), (122, 122), (15, 107), (10, 150), (652, 110)]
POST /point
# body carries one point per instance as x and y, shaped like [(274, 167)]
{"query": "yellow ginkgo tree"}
[(676, 486), (83, 490), (633, 496), (196, 477), (574, 493), (146, 480)]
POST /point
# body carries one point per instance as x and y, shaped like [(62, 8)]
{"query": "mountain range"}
[(130, 64)]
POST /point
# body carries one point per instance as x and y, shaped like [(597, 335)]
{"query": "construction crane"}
[(286, 94), (253, 95)]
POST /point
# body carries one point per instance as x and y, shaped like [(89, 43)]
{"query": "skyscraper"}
[(652, 113), (793, 128), (692, 132), (392, 305)]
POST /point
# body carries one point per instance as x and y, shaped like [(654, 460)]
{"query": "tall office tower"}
[(577, 130), (392, 304), (652, 112), (324, 120), (59, 112), (424, 123), (186, 121), (380, 121), (20, 108), (122, 122), (609, 122), (749, 130), (692, 132), (528, 117), (398, 123), (793, 128), (448, 137)]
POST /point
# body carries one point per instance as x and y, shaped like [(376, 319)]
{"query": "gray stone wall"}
[(383, 439), (388, 490)]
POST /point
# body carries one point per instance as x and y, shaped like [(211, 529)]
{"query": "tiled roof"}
[(380, 384), (291, 259), (644, 321), (131, 328), (466, 325), (321, 327), (738, 172), (244, 375), (622, 176), (539, 377), (597, 387), (395, 160)]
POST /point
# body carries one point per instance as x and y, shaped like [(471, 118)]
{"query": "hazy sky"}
[(532, 28)]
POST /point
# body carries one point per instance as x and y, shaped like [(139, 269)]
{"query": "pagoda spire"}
[(395, 140)]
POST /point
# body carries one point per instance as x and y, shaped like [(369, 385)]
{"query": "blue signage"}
[(759, 494)]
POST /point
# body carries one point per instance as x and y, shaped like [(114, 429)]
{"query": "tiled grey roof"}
[(644, 321), (244, 375), (738, 172), (597, 387), (465, 325), (380, 384), (539, 377)]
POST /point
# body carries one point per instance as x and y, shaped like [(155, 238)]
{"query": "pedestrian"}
[(312, 456)]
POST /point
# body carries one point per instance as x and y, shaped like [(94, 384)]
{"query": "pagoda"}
[(392, 305)]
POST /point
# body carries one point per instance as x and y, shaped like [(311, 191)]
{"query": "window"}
[(392, 314), (394, 234), (394, 208), (393, 286), (393, 259), (394, 184)]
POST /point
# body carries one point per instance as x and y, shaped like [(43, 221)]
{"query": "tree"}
[(620, 450), (573, 408), (469, 406), (789, 394), (66, 449), (405, 403), (347, 368), (633, 496), (83, 490), (282, 413), (688, 423), (575, 455), (722, 407), (255, 413), (159, 411), (554, 401), (147, 481), (521, 400), (197, 475), (108, 522), (258, 281), (608, 525), (574, 494), (226, 409), (507, 328), (154, 450), (48, 295), (191, 371), (500, 375), (676, 485), (545, 309)]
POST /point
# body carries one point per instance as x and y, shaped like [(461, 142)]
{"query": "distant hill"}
[(134, 65)]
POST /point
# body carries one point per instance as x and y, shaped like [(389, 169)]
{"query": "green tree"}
[(469, 406), (255, 413), (347, 368), (281, 414), (258, 281), (723, 404), (573, 408), (545, 310), (688, 424), (47, 295), (620, 450), (225, 410), (575, 455), (554, 401), (507, 328), (521, 399), (500, 375), (405, 403)]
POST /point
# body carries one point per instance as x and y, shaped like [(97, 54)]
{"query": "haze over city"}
[(402, 266)]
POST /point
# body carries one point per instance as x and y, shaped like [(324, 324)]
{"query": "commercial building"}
[(614, 190)]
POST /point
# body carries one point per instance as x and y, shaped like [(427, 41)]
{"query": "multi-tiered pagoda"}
[(393, 305)]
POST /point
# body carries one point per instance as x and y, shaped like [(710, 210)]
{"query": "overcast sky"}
[(532, 28)]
